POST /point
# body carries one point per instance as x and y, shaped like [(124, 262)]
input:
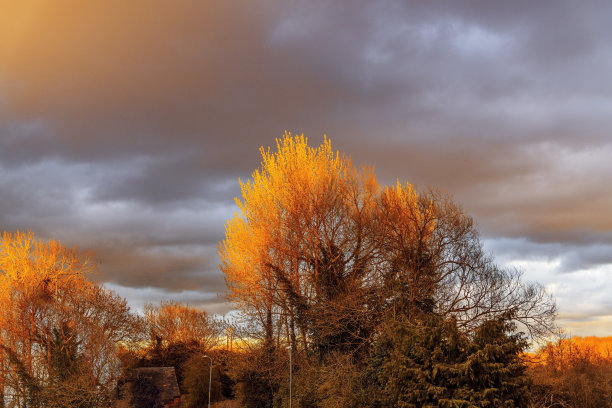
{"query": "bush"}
[(257, 375), (336, 383), (195, 381)]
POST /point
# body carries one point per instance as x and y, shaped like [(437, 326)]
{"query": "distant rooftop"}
[(164, 379)]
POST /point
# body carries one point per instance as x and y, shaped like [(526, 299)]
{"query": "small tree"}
[(60, 331), (174, 323), (177, 334)]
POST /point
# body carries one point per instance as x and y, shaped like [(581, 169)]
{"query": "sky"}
[(125, 126)]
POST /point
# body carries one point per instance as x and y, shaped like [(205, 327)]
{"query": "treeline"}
[(574, 372), (67, 342), (366, 295)]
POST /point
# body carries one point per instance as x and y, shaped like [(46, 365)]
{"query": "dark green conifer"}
[(430, 363)]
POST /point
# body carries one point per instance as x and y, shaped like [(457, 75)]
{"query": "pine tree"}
[(430, 363)]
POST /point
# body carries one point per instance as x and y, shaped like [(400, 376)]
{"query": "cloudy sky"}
[(125, 125)]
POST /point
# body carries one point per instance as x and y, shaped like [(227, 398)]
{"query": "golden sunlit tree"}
[(59, 332), (320, 255), (303, 211), (171, 322)]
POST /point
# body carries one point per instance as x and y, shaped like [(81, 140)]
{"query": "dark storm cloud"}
[(124, 126)]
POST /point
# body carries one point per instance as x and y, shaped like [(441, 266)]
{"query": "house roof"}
[(164, 379)]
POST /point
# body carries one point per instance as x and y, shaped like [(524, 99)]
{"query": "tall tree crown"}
[(320, 254)]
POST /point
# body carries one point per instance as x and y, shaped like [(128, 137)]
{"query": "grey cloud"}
[(136, 243), (567, 257), (586, 258), (167, 269), (171, 181), (545, 191), (125, 125), (139, 297), (23, 142)]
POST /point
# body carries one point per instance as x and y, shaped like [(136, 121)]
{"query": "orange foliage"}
[(409, 220), (573, 352), (45, 297), (24, 260), (306, 206), (35, 272), (172, 322), (297, 189), (574, 372), (314, 238)]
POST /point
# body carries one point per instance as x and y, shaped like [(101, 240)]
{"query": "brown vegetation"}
[(575, 372)]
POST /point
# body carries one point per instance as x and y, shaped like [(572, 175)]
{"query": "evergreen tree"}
[(430, 363), (495, 365)]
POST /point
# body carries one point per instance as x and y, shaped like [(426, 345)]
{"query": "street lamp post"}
[(209, 379), (290, 373)]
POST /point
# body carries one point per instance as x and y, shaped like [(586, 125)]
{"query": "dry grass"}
[(225, 404)]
